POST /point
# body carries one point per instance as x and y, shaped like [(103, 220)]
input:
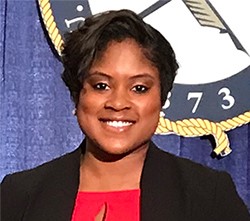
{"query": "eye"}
[(101, 86), (140, 89)]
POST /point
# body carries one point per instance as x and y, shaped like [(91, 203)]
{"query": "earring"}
[(74, 111)]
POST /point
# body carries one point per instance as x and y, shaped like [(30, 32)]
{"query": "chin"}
[(116, 149), (111, 155), (127, 149), (102, 149)]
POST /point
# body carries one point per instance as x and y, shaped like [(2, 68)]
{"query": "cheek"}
[(88, 102), (86, 114), (150, 110), (86, 107)]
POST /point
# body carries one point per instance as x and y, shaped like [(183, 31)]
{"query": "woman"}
[(119, 71)]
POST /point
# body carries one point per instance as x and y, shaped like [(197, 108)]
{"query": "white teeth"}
[(118, 123)]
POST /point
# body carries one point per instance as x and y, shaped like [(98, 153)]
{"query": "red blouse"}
[(120, 205)]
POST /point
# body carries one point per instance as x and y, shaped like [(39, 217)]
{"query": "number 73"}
[(227, 97)]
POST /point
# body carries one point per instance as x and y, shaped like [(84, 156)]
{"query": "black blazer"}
[(172, 189)]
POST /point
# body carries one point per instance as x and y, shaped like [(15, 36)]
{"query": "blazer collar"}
[(162, 197)]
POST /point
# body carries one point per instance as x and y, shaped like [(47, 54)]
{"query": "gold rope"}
[(50, 24), (199, 127)]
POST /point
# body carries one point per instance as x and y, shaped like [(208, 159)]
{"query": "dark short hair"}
[(87, 44)]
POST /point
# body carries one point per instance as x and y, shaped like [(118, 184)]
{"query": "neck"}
[(121, 173)]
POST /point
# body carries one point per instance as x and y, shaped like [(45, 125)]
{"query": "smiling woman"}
[(119, 71), (120, 97)]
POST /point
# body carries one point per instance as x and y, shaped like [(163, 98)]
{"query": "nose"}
[(118, 100)]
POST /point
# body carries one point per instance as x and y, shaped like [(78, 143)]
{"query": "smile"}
[(118, 124)]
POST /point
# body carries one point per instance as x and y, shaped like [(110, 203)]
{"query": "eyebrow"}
[(143, 75), (98, 73), (138, 76)]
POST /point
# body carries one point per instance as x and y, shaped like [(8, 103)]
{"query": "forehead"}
[(122, 56), (115, 47)]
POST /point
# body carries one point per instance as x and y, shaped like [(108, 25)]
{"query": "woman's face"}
[(119, 104)]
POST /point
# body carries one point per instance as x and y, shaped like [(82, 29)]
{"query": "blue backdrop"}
[(36, 123)]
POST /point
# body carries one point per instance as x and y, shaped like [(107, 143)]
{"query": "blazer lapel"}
[(162, 193)]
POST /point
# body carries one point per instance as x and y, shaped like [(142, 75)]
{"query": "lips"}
[(117, 123)]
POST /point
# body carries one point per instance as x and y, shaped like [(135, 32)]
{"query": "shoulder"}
[(31, 176), (206, 189), (197, 177), (20, 183), (17, 189), (185, 167)]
